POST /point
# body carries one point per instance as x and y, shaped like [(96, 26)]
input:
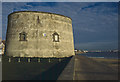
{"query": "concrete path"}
[(88, 69), (68, 72)]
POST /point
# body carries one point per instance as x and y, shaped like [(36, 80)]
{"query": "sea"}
[(108, 55)]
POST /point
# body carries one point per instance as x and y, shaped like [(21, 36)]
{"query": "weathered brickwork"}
[(38, 39)]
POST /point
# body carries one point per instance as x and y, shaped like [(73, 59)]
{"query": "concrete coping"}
[(37, 12)]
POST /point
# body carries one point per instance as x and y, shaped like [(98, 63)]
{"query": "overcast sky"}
[(95, 24)]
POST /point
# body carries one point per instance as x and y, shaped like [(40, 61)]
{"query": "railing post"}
[(28, 59), (9, 60), (49, 60), (18, 59), (0, 60), (38, 59), (59, 60)]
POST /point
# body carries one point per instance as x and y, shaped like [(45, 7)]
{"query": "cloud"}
[(94, 21), (87, 29), (50, 4)]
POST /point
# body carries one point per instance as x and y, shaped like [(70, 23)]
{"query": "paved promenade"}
[(88, 69), (83, 68)]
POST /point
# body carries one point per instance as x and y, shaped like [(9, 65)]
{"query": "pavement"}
[(45, 69), (83, 68), (68, 72), (89, 69)]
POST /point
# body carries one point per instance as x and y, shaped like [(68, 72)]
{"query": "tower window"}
[(38, 20), (23, 36), (55, 37)]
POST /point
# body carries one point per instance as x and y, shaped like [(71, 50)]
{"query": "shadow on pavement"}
[(46, 69)]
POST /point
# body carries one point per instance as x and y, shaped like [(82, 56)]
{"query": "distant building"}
[(0, 46), (3, 46), (85, 51), (80, 51)]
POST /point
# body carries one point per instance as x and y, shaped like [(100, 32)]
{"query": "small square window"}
[(23, 36), (55, 37)]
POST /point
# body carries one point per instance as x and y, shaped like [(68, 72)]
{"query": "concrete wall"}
[(36, 24)]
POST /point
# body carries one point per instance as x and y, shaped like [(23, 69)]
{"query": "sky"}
[(95, 24), (0, 20), (59, 0)]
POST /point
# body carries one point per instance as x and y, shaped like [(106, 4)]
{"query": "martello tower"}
[(39, 34)]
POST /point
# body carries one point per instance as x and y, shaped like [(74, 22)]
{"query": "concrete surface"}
[(46, 69), (83, 68), (89, 69), (68, 72)]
